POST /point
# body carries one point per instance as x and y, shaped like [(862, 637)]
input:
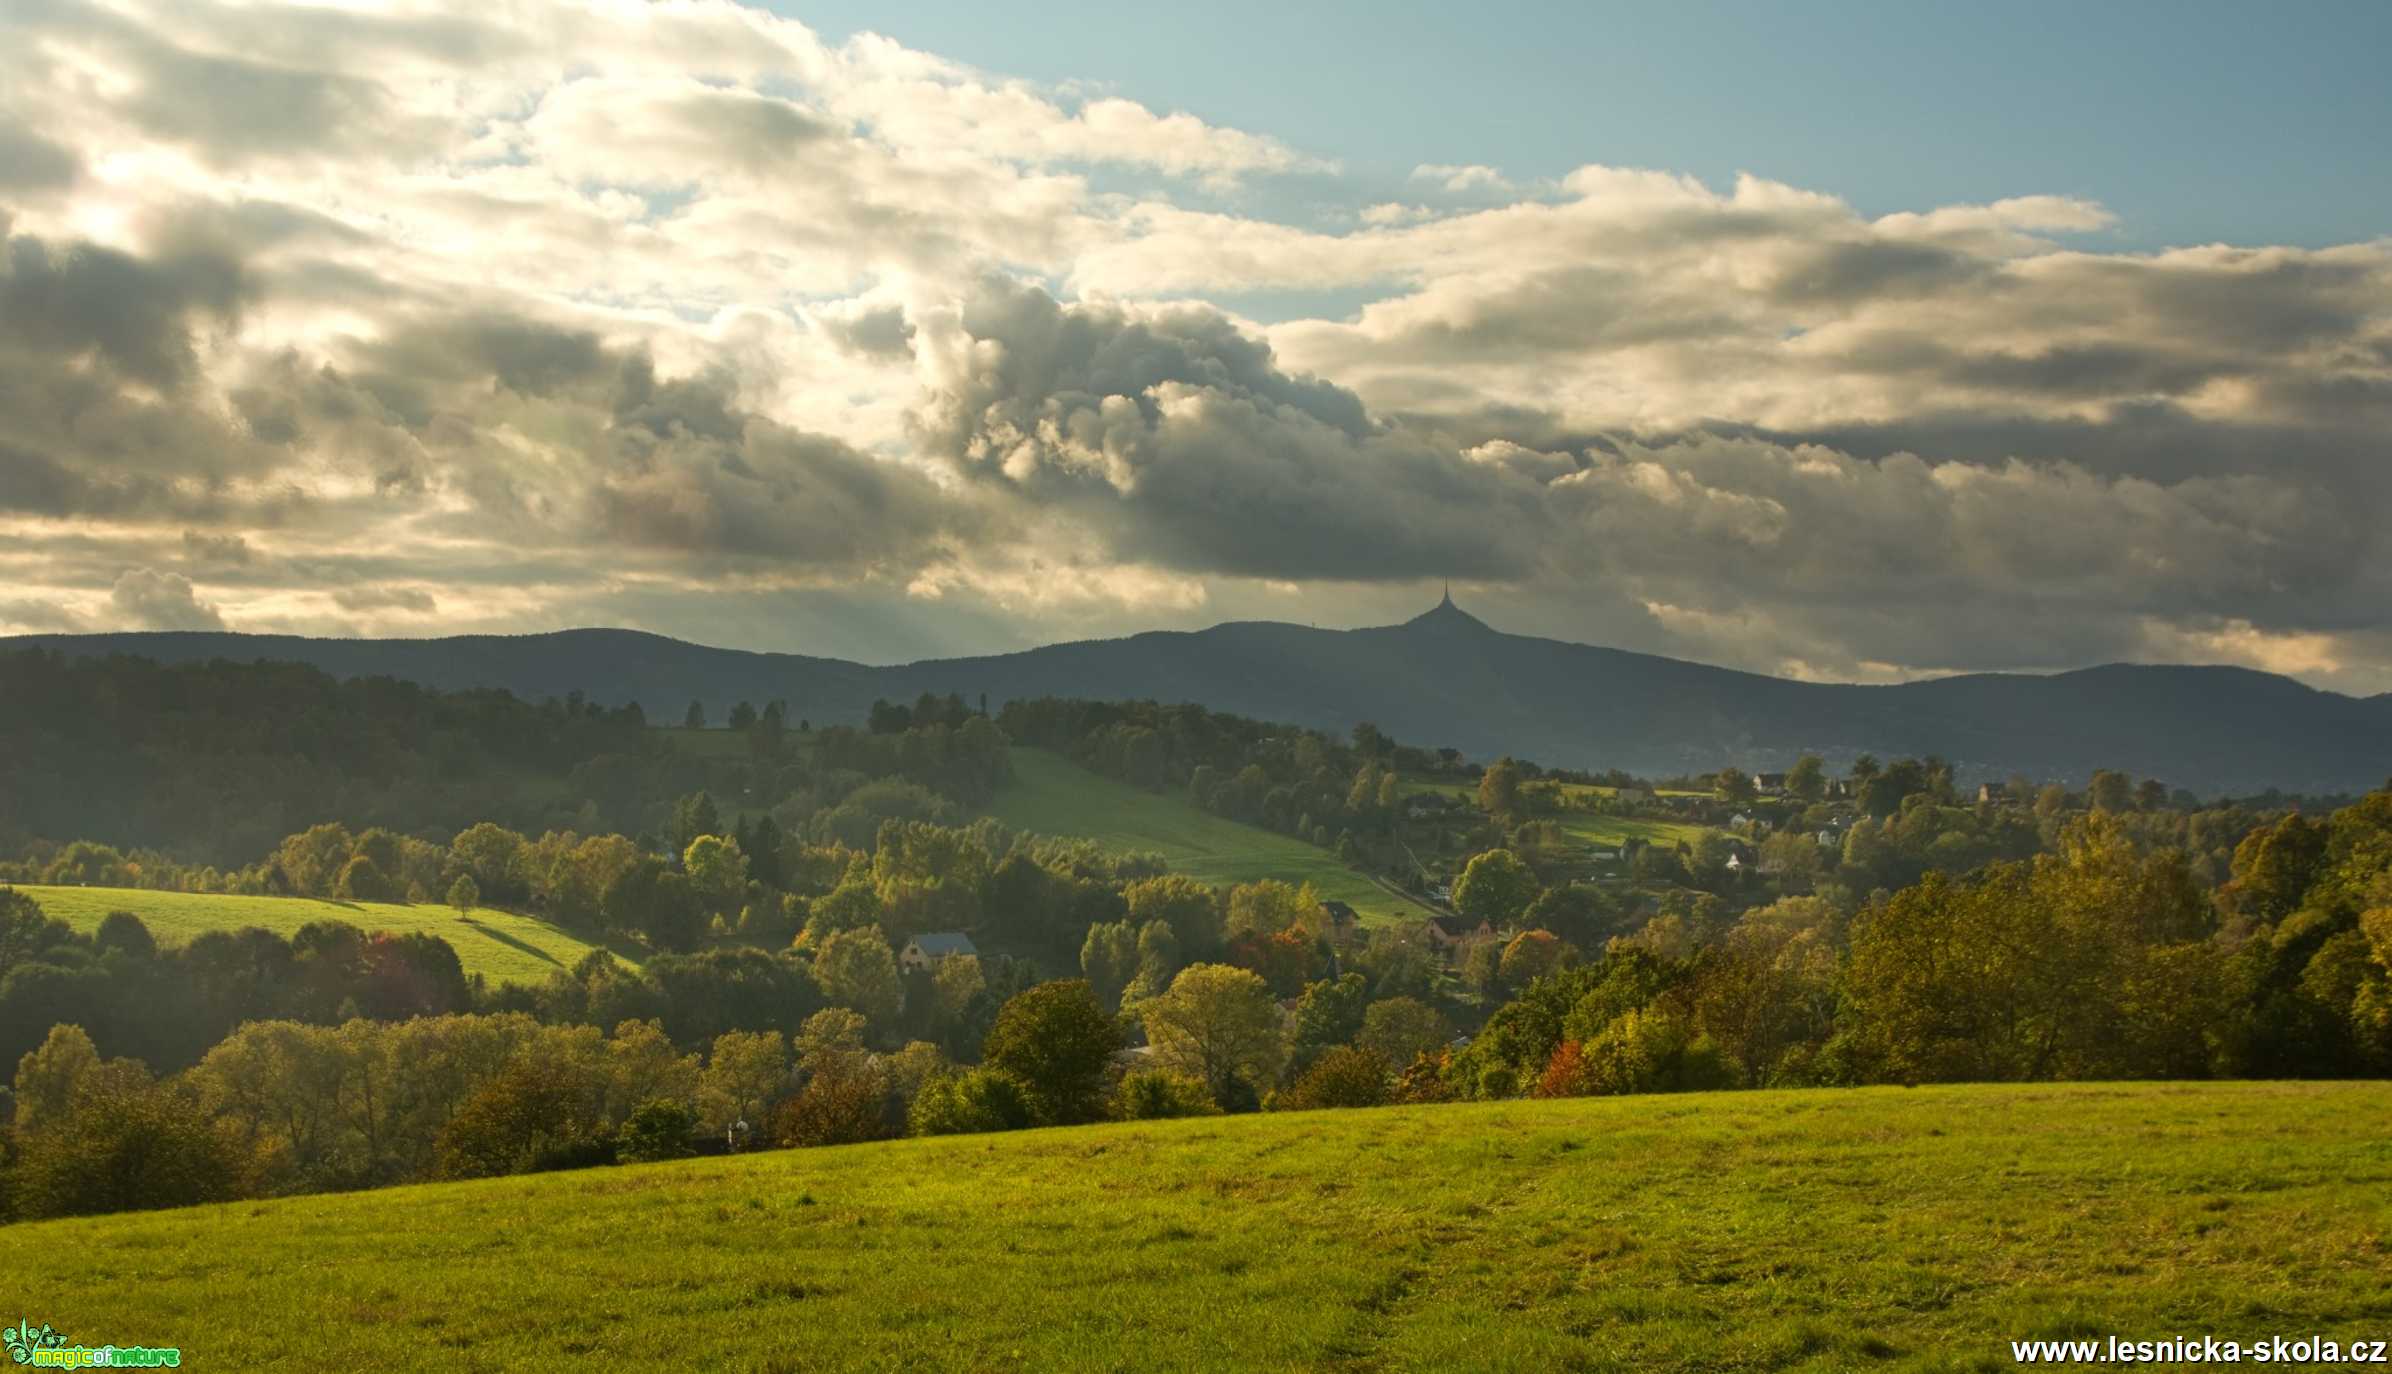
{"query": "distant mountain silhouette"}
[(1446, 678)]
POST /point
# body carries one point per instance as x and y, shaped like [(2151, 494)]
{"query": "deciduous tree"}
[(856, 970), (1219, 1025), (1495, 887), (1058, 1042)]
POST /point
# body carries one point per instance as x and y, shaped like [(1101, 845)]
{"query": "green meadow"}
[(500, 945), (1609, 832), (1879, 1229), (1583, 827), (1051, 795)]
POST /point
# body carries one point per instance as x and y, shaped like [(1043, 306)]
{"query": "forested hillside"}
[(220, 760), (829, 939), (1446, 678)]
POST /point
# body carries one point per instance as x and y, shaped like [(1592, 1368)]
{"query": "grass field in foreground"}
[(1824, 1230), (1051, 795), (500, 945)]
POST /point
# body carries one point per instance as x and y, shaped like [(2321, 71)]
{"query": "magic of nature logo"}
[(45, 1347)]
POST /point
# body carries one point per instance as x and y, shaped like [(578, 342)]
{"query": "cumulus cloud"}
[(509, 316), (1462, 178), (1178, 439), (145, 599)]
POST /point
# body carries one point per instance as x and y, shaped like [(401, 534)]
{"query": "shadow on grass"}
[(515, 942), (626, 950)]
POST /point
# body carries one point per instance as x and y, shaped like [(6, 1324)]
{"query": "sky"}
[(1858, 342), (2194, 122)]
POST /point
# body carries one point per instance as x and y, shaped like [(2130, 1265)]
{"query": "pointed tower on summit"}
[(1446, 615)]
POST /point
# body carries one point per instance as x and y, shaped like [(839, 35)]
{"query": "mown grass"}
[(1825, 1230), (1051, 795), (1584, 827), (500, 945)]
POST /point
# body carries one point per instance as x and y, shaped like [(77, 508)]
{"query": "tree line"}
[(2103, 959)]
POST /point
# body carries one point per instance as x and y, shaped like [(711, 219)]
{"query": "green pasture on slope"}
[(500, 945), (1873, 1229), (1050, 795)]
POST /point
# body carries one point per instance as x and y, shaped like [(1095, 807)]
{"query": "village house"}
[(927, 951), (1445, 933), (1769, 784), (1344, 924), (1421, 804)]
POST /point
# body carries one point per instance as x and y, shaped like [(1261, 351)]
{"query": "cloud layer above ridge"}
[(510, 316)]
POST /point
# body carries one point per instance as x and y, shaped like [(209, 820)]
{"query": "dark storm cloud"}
[(531, 357), (29, 162), (2020, 542), (881, 333), (674, 465), (32, 483), (2249, 300), (1099, 351), (686, 470), (106, 412), (1190, 448), (36, 485), (1842, 272), (133, 312), (427, 412), (228, 550), (1181, 439)]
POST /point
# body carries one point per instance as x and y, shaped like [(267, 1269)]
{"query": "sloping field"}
[(500, 945), (1588, 828), (1825, 1230), (1051, 795)]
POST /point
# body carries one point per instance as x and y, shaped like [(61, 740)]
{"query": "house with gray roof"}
[(928, 950)]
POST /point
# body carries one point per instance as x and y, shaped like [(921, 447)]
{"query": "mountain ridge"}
[(1447, 678)]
